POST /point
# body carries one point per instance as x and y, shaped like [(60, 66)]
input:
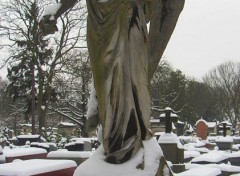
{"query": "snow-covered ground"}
[(195, 150)]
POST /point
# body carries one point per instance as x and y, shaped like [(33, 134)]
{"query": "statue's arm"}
[(66, 5), (49, 20), (163, 18)]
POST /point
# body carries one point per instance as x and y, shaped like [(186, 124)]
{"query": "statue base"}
[(150, 157)]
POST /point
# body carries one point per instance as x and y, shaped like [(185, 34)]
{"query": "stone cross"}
[(168, 119), (224, 128)]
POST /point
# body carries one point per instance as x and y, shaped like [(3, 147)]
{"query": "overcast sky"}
[(207, 34)]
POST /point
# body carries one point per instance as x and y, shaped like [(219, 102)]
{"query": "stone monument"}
[(202, 129), (124, 55), (172, 149)]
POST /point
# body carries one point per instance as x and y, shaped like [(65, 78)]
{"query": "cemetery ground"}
[(192, 155)]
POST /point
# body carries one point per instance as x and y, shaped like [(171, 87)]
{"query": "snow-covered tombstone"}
[(169, 142), (36, 167), (202, 129)]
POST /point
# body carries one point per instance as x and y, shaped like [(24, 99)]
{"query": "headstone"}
[(180, 128), (224, 126), (48, 146), (168, 117), (202, 129), (3, 141), (170, 144), (22, 139), (87, 146), (172, 150), (236, 139), (75, 146), (224, 143)]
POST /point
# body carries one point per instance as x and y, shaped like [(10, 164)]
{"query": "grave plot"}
[(169, 142), (226, 169), (22, 139), (48, 146), (24, 154), (189, 155), (234, 158), (79, 144), (39, 167), (77, 156), (211, 157), (201, 171), (224, 143)]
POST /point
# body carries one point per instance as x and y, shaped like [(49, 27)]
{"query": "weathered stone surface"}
[(124, 56)]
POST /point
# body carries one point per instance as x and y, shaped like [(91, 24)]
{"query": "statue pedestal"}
[(150, 156)]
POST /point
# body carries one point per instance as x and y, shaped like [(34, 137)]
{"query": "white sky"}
[(207, 34)]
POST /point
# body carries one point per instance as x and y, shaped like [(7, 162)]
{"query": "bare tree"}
[(73, 89), (225, 82), (167, 88), (10, 112), (20, 24)]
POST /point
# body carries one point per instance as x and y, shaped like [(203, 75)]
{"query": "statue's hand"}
[(48, 25)]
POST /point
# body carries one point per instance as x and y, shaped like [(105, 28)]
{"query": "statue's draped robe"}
[(118, 47), (124, 57)]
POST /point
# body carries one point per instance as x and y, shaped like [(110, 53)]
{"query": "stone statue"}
[(124, 55)]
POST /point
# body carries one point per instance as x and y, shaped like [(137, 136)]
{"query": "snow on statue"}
[(124, 56)]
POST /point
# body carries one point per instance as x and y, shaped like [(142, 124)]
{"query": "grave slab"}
[(234, 158), (226, 169), (78, 157), (216, 157), (22, 139), (24, 154), (39, 167), (224, 143), (201, 171)]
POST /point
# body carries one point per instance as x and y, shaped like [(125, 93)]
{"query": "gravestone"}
[(39, 167), (87, 146), (49, 146), (168, 117), (75, 146), (78, 156), (202, 129), (224, 126), (225, 142), (169, 142), (24, 154), (22, 139), (180, 128), (234, 158), (212, 157)]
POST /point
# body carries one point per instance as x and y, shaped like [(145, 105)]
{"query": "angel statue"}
[(126, 40)]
